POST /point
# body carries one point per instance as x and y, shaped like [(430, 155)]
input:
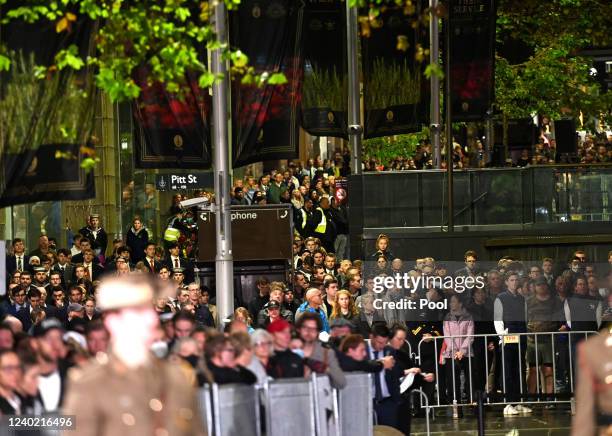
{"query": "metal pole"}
[(449, 129), (434, 58), (354, 116), (224, 263)]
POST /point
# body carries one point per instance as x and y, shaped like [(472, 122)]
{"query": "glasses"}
[(263, 343)]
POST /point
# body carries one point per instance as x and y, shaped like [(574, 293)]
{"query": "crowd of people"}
[(589, 150), (329, 318)]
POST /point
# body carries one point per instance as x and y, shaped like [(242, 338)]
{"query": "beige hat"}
[(126, 291)]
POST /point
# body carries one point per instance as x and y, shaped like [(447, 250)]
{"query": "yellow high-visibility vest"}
[(171, 234), (322, 226)]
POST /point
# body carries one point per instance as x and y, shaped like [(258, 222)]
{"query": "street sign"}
[(185, 181), (258, 233)]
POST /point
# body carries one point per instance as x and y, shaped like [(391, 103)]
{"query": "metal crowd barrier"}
[(292, 406), (563, 349), (356, 409)]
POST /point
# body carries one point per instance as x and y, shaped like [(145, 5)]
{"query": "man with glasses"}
[(319, 358), (19, 300)]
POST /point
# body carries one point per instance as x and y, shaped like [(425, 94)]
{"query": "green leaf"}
[(206, 80), (5, 63), (277, 79)]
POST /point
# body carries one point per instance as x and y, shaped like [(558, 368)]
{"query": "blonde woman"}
[(242, 314), (344, 307)]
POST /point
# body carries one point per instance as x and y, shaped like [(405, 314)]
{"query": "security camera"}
[(355, 129), (198, 201)]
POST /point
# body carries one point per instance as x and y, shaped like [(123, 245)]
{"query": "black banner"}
[(53, 173), (472, 60), (396, 93), (266, 118), (46, 113), (171, 131), (324, 91)]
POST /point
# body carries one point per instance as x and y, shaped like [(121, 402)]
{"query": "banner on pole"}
[(266, 118), (472, 59), (396, 93), (324, 91), (46, 119), (171, 131)]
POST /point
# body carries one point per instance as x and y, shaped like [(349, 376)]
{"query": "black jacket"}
[(231, 375), (285, 364), (99, 242), (348, 364), (137, 242)]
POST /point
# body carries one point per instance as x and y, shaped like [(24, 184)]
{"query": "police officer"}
[(323, 226), (129, 390)]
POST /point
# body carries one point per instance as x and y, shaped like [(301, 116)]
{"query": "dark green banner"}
[(324, 91), (396, 93), (266, 118)]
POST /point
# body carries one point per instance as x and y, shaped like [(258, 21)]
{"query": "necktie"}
[(377, 385), (20, 263), (152, 265), (176, 263)]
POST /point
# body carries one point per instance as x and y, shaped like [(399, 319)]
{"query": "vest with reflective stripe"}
[(304, 218), (322, 226), (171, 234)]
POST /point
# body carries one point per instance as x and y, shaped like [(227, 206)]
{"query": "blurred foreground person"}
[(594, 387), (129, 390)]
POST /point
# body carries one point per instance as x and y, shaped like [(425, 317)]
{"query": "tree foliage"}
[(555, 80), (167, 37)]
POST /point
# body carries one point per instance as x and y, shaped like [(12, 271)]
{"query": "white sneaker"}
[(522, 409), (510, 410)]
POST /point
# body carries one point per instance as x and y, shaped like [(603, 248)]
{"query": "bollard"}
[(481, 413)]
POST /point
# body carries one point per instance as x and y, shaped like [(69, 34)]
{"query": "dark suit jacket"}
[(157, 265), (67, 275), (11, 263), (393, 375), (24, 316), (185, 264), (78, 258)]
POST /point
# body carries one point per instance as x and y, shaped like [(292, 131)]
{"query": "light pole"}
[(355, 129), (434, 59), (224, 262)]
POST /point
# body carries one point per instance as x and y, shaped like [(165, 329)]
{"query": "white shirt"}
[(19, 262), (50, 387), (175, 261), (88, 268)]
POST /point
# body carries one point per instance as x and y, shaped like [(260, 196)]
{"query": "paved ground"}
[(540, 423)]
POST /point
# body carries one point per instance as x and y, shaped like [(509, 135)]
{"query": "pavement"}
[(541, 422)]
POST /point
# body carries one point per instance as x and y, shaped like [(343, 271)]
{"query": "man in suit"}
[(174, 260), (387, 398), (94, 270), (64, 267), (149, 259), (85, 244), (18, 301), (34, 302), (18, 260)]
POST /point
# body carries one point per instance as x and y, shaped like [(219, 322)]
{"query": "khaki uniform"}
[(594, 386), (109, 399)]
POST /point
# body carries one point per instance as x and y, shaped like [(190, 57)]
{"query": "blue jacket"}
[(304, 307)]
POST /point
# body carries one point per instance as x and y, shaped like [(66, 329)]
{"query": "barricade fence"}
[(511, 368), (290, 406)]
